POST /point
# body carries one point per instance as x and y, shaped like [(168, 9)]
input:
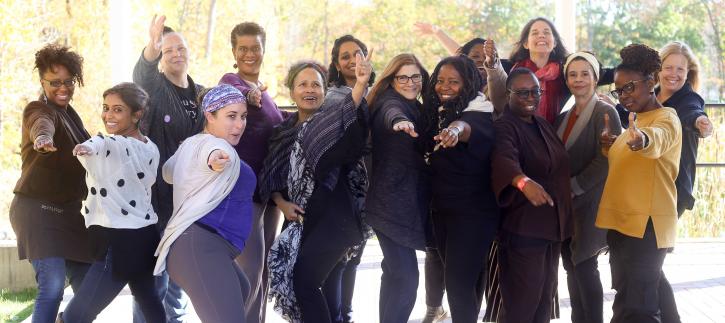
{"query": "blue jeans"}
[(399, 282), (174, 299), (50, 273), (100, 287)]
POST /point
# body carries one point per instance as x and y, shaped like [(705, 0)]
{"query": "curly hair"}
[(53, 55), (248, 29), (131, 94), (334, 77), (519, 53), (298, 67), (640, 58), (472, 84)]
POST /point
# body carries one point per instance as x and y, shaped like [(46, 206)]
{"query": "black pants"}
[(636, 266), (463, 243), (435, 285), (314, 264), (528, 277), (585, 287)]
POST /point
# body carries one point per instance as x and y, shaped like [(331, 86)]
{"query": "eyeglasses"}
[(403, 79), (57, 83), (627, 88), (524, 94)]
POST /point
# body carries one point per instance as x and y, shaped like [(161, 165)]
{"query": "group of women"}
[(475, 163)]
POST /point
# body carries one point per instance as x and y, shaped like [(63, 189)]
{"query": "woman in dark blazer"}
[(579, 129)]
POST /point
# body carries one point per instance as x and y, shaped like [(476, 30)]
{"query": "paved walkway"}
[(696, 271)]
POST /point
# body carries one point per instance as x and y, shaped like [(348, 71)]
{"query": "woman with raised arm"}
[(579, 129), (340, 285), (315, 172), (397, 204), (639, 203), (212, 216), (121, 168), (46, 210)]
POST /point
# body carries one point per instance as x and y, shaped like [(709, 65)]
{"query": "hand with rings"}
[(448, 137)]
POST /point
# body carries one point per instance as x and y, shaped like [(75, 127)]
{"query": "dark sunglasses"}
[(58, 83), (524, 94), (404, 79), (627, 88)]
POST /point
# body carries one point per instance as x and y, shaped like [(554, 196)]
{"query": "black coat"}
[(398, 198)]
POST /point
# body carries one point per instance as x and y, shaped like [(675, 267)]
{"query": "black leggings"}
[(585, 287)]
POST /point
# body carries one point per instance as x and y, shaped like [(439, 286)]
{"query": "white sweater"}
[(197, 188), (120, 172)]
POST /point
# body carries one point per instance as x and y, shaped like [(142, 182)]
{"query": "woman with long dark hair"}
[(464, 210)]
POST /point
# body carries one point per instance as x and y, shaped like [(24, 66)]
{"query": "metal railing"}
[(712, 106)]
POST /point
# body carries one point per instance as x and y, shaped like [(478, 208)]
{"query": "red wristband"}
[(522, 182)]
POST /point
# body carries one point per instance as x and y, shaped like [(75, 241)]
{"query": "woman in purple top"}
[(248, 39)]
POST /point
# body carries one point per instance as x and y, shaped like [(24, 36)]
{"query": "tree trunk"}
[(210, 30), (717, 39)]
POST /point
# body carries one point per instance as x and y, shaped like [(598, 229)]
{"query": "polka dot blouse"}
[(119, 173)]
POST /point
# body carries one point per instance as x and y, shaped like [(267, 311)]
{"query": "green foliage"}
[(16, 306), (306, 29)]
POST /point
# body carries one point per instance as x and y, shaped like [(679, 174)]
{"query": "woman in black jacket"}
[(397, 203)]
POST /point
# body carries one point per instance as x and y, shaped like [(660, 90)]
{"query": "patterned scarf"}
[(314, 138), (551, 82)]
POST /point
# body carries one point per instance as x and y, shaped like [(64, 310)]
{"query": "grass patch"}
[(16, 306)]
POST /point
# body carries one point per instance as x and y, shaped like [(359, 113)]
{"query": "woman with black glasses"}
[(46, 210), (639, 203), (398, 199), (530, 177)]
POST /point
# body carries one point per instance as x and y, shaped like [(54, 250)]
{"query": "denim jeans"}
[(399, 282), (50, 273), (100, 287), (174, 299)]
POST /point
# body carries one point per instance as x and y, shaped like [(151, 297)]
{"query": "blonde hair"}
[(693, 66)]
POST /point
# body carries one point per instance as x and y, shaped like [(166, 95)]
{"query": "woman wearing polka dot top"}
[(121, 168)]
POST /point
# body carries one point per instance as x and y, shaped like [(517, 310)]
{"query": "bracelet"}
[(458, 130), (522, 182)]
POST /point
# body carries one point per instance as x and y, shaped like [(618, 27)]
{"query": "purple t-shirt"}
[(252, 147), (232, 218)]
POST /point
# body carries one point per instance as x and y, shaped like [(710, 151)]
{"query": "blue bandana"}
[(221, 96)]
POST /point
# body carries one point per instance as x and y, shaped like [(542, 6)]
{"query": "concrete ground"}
[(696, 271)]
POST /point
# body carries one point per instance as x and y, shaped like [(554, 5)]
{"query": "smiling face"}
[(118, 117), (541, 38), (227, 123), (249, 54), (448, 84), (346, 61), (640, 98), (674, 73), (524, 107), (308, 91), (61, 95), (410, 89), (175, 56), (580, 78)]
